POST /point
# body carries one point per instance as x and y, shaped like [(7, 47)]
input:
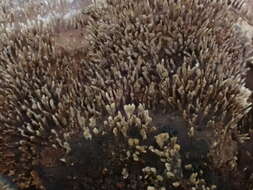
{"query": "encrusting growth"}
[(154, 102)]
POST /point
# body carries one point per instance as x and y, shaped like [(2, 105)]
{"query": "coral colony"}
[(124, 95)]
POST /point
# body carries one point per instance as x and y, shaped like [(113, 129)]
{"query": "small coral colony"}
[(125, 95)]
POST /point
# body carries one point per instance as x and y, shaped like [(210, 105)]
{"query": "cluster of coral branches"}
[(125, 95)]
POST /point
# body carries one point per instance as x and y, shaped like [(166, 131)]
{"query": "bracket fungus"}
[(145, 95)]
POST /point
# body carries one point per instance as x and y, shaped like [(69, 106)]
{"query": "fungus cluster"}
[(145, 95)]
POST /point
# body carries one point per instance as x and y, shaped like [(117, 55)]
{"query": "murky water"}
[(27, 12)]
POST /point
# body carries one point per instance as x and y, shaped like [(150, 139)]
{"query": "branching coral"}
[(154, 102), (35, 84), (160, 50)]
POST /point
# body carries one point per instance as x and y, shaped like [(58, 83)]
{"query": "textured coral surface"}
[(125, 94)]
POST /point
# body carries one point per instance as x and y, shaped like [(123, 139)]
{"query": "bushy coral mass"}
[(123, 94)]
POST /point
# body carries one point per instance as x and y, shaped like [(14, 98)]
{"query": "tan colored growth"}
[(137, 92)]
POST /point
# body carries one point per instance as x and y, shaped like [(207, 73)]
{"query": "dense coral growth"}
[(155, 101)]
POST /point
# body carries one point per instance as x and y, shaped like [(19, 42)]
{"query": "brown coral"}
[(153, 103), (157, 50), (34, 76)]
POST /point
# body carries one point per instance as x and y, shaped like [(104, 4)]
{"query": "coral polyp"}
[(144, 95)]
